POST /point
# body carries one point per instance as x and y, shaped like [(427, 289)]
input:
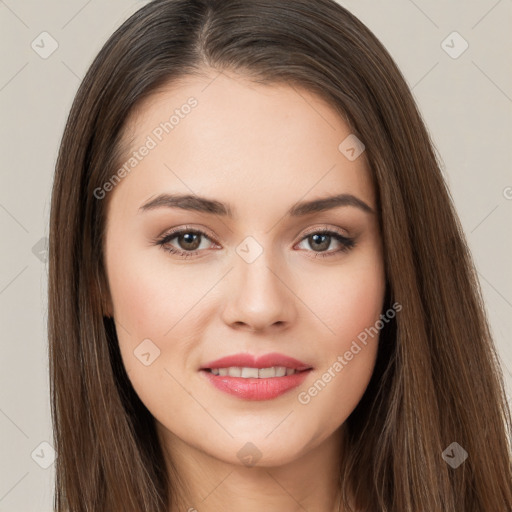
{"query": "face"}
[(243, 267)]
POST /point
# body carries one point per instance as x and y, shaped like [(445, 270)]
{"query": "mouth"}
[(254, 373), (250, 378)]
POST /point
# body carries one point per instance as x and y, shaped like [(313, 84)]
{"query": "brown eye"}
[(320, 241), (188, 242)]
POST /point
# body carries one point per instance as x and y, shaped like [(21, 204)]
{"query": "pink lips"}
[(265, 361), (255, 388)]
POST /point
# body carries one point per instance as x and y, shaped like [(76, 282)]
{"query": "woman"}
[(260, 295)]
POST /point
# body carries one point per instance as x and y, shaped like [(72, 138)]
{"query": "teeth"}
[(234, 371), (265, 373), (280, 371), (249, 372), (260, 373)]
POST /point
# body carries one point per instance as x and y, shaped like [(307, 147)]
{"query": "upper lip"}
[(250, 361)]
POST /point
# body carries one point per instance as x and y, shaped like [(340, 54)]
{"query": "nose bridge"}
[(259, 266), (258, 295)]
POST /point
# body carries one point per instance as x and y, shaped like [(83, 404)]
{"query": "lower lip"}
[(256, 389)]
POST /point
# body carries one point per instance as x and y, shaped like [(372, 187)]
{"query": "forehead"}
[(222, 135)]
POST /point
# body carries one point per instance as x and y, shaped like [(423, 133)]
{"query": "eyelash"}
[(346, 243)]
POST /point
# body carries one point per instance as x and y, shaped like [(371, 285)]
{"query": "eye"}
[(322, 240), (189, 242)]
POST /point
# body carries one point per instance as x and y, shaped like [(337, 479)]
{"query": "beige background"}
[(466, 102)]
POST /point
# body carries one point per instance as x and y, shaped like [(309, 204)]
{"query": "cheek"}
[(350, 306), (135, 295), (348, 300), (150, 310), (157, 311), (150, 296)]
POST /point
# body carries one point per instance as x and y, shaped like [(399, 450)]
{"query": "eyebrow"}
[(211, 206)]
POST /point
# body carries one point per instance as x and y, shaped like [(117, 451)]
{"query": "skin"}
[(261, 149)]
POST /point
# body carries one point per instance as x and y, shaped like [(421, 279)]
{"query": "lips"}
[(273, 359), (236, 375)]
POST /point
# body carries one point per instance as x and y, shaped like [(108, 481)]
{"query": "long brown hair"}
[(437, 378)]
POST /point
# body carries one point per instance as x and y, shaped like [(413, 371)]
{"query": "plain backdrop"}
[(464, 94)]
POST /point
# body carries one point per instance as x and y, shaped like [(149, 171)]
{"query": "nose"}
[(259, 296)]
